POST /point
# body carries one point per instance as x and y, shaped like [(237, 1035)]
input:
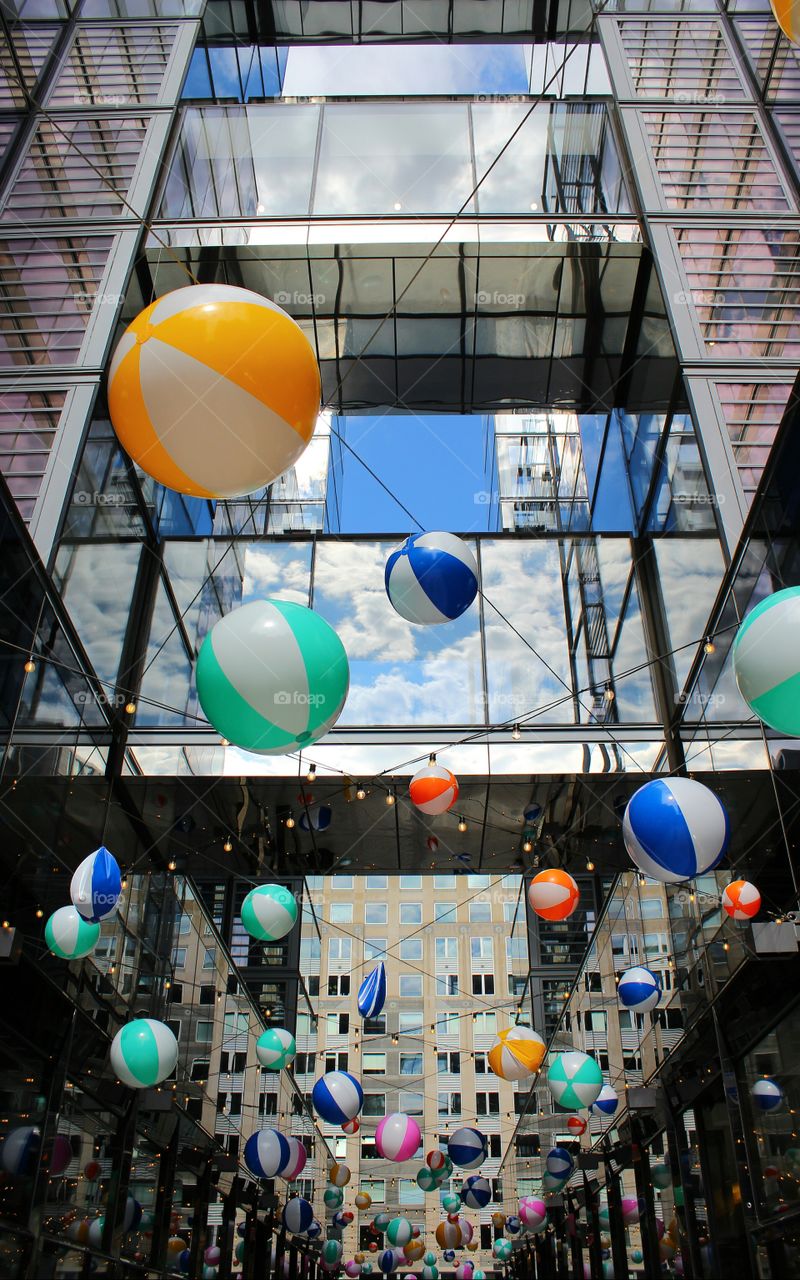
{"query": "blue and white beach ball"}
[(272, 676), (431, 578), (316, 818), (765, 661), (315, 1230), (639, 989), (372, 992), (96, 885), (675, 829), (559, 1163), (266, 1153), (606, 1102), (69, 936), (297, 1216), (20, 1150), (767, 1094), (467, 1148), (269, 912), (476, 1192), (337, 1096), (143, 1053), (276, 1048)]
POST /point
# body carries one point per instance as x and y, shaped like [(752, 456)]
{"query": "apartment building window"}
[(445, 881), (268, 1104), (374, 948), (234, 1062), (516, 949), (655, 944), (375, 1026), (209, 957), (337, 1024), (411, 882), (207, 995), (304, 1187), (411, 949), (480, 912), (477, 881), (376, 913), (303, 1024), (410, 1193), (672, 1019), (513, 910), (481, 948), (410, 986), (632, 1062), (445, 911), (410, 1064), (484, 1023), (374, 1104), (483, 984), (412, 1103), (199, 1071), (447, 1024), (481, 1064), (596, 1020), (449, 1103), (517, 982), (411, 913), (176, 993), (305, 1064), (204, 1032), (651, 908), (592, 981), (339, 984), (495, 1146), (335, 1061), (312, 984), (630, 1021), (376, 1188), (339, 948), (341, 913), (449, 1063), (410, 1021), (178, 956), (377, 882), (310, 951), (446, 951), (368, 1149), (373, 1064), (447, 984), (487, 1104), (341, 882)]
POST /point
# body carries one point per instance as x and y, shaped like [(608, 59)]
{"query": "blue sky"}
[(434, 463)]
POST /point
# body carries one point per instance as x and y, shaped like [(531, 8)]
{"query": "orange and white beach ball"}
[(553, 894), (433, 789), (741, 900)]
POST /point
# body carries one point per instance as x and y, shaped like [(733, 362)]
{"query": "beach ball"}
[(20, 1150), (143, 1053), (466, 1230), (351, 1126), (498, 1220), (333, 1197), (767, 1094), (341, 1219), (428, 1181), (387, 1261), (398, 1232), (476, 1192), (239, 1251), (430, 1271), (352, 1268), (551, 1183), (92, 1170), (764, 650), (381, 1221), (513, 1224), (576, 1126), (518, 1052), (96, 885), (741, 900), (372, 992), (502, 1250), (272, 676), (315, 1230), (269, 912), (337, 1096), (449, 1255), (266, 1153), (451, 1203), (431, 578), (675, 829), (397, 1137), (574, 1080), (69, 936), (414, 1250), (176, 1244), (553, 894), (296, 1161), (479, 1275), (436, 1161), (661, 1175), (366, 1269), (214, 391), (316, 818), (433, 789), (276, 1048), (212, 1255), (533, 1213), (432, 844), (559, 1163), (297, 1216), (605, 1103), (331, 1253), (448, 1235), (363, 1200), (630, 1210), (465, 1271), (637, 1256), (639, 989), (339, 1175), (78, 1231), (467, 1148)]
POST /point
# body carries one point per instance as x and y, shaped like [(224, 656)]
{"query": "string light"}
[(589, 865), (360, 792), (130, 707), (462, 826), (390, 797), (223, 742), (39, 913), (515, 733), (30, 665), (527, 846), (709, 646), (228, 845), (312, 773), (608, 692), (290, 822), (172, 865)]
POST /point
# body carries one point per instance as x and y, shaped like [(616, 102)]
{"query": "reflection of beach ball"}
[(333, 1197), (533, 1213), (430, 1271), (551, 1183), (175, 1245), (448, 1235), (363, 1200), (266, 1153), (315, 1230), (502, 1250), (316, 818), (386, 1261), (381, 1221), (341, 1219), (331, 1253), (476, 1192), (639, 989), (518, 1052), (608, 1270), (184, 1259), (143, 1053), (576, 1126), (467, 1148), (212, 1256), (606, 1102), (787, 17), (765, 648), (451, 1203), (513, 1224), (96, 885), (96, 1231), (276, 1048), (272, 676), (449, 1255), (337, 1096), (352, 1268), (398, 1232), (433, 789), (92, 1170), (69, 936), (661, 1175), (637, 1256), (465, 1271), (239, 1251), (78, 1231), (666, 1250), (630, 1210), (553, 894), (297, 1216), (427, 1180), (351, 1126), (431, 578), (269, 912), (397, 1137), (20, 1150), (214, 391), (675, 829), (559, 1163), (767, 1094), (339, 1175), (414, 1250), (296, 1161), (498, 1220), (741, 900), (574, 1080)]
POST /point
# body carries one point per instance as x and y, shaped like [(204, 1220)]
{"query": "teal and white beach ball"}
[(143, 1053), (766, 662), (69, 936), (574, 1079), (276, 1048), (272, 676), (269, 912)]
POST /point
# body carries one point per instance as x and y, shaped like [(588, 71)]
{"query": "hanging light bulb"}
[(527, 845), (223, 742), (589, 865), (360, 792), (515, 733), (608, 692), (709, 646), (172, 865), (390, 797), (432, 758), (30, 665), (312, 772), (462, 826), (290, 822), (228, 845), (130, 707), (39, 913)]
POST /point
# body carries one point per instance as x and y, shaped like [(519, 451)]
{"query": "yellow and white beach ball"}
[(518, 1052), (214, 391)]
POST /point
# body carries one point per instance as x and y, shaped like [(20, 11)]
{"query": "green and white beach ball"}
[(144, 1053), (269, 912), (574, 1079), (272, 676), (276, 1048), (69, 936), (766, 661)]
